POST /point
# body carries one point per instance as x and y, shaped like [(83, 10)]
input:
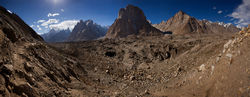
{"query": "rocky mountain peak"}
[(81, 22), (180, 12), (131, 12), (89, 22), (86, 30), (182, 23), (131, 21), (85, 23), (52, 31), (182, 15)]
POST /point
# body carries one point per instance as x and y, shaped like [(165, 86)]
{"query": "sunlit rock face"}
[(131, 21), (182, 23)]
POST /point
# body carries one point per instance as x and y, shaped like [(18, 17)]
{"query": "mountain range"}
[(182, 23), (87, 30), (131, 21), (83, 31), (56, 35)]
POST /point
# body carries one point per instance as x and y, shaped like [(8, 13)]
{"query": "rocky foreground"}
[(167, 66)]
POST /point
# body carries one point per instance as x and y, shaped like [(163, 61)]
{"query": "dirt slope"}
[(223, 75)]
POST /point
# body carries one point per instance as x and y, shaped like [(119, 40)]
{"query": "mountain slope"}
[(182, 23), (86, 30), (29, 67), (131, 21), (13, 26)]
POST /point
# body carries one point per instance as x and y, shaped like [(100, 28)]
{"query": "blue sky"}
[(60, 14)]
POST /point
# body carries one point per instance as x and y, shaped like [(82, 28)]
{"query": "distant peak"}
[(162, 22), (68, 29), (89, 20), (130, 6), (181, 13), (132, 12), (52, 30), (81, 21)]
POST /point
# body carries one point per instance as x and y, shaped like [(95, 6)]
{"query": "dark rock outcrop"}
[(86, 30), (131, 21)]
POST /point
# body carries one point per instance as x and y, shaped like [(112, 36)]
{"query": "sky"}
[(43, 15)]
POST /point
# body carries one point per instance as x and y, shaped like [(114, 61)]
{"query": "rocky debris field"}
[(170, 65)]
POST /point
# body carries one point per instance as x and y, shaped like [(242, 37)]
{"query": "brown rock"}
[(131, 21), (180, 23)]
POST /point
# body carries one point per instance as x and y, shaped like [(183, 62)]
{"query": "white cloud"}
[(220, 12), (50, 21), (64, 25), (62, 10), (242, 14), (53, 14), (40, 21)]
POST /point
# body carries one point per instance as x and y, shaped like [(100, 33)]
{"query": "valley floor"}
[(167, 66)]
